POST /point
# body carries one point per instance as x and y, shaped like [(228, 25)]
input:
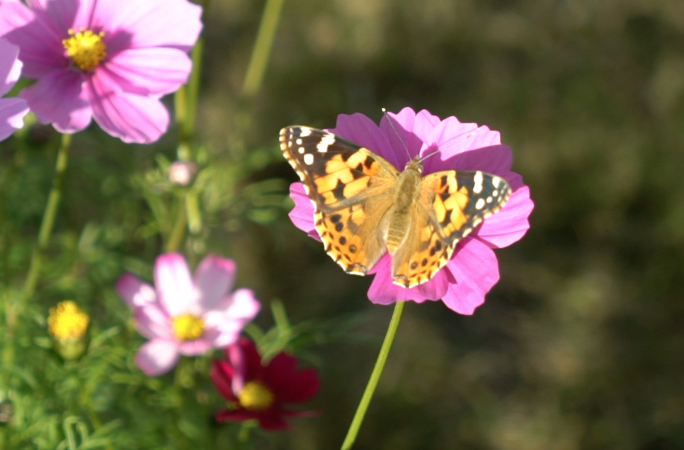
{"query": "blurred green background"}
[(581, 343)]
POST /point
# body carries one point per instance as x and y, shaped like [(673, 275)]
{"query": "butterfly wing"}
[(452, 203), (351, 189)]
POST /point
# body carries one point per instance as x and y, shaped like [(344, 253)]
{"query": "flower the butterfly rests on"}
[(360, 186)]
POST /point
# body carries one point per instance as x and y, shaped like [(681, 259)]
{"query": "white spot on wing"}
[(480, 203), (299, 142), (308, 159), (326, 140), (496, 181), (304, 131), (301, 150), (495, 193), (477, 188)]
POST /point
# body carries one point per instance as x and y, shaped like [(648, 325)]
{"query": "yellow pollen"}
[(255, 396), (188, 327), (85, 48), (67, 321)]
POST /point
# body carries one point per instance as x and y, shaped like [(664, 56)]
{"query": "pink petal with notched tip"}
[(476, 270)]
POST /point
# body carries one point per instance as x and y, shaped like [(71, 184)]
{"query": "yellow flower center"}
[(67, 321), (85, 48), (255, 396), (188, 327)]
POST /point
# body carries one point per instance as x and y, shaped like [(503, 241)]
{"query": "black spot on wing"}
[(338, 192)]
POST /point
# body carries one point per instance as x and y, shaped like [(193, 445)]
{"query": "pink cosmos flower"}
[(185, 314), (260, 392), (12, 110), (473, 269), (111, 60)]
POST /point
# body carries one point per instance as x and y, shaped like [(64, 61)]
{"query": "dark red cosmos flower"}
[(260, 392)]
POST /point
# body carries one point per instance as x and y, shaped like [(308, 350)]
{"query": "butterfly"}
[(365, 207)]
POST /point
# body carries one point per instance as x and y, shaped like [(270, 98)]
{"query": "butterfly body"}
[(365, 207)]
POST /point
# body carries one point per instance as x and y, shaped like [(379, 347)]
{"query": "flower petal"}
[(153, 322), (412, 129), (134, 291), (288, 384), (245, 354), (12, 112), (476, 270), (194, 348), (147, 71), (213, 278), (157, 357), (59, 98), (40, 43), (222, 376), (10, 66), (226, 322), (177, 292), (303, 212), (383, 292), (363, 131), (152, 23), (130, 117), (511, 223)]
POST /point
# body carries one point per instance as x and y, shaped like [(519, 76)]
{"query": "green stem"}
[(262, 48), (374, 378), (178, 231), (256, 71), (48, 217)]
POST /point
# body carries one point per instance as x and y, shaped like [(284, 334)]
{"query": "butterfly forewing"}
[(345, 182)]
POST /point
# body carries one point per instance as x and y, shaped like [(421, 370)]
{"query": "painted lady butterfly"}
[(366, 207)]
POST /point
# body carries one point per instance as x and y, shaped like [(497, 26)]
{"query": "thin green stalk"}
[(178, 231), (374, 378), (256, 70), (262, 48), (48, 217)]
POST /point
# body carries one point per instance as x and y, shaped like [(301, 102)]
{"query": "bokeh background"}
[(581, 343)]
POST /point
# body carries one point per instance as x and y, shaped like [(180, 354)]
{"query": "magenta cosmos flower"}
[(260, 392), (12, 110), (111, 60), (185, 314), (473, 268)]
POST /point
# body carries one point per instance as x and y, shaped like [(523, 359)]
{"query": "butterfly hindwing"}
[(452, 204), (344, 181)]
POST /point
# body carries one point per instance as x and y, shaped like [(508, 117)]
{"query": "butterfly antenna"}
[(427, 156), (384, 111)]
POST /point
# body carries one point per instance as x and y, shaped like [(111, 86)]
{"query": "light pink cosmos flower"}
[(185, 314), (473, 269), (111, 60), (12, 110)]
